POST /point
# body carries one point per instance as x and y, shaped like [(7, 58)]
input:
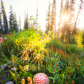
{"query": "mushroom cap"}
[(41, 78)]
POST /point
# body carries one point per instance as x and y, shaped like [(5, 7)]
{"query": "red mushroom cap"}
[(41, 78)]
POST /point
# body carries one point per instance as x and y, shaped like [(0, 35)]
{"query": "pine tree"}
[(26, 22), (48, 20), (80, 7), (4, 18), (11, 20), (36, 21), (37, 17), (67, 27), (46, 24), (0, 24), (61, 12), (13, 26), (72, 9), (60, 16), (19, 23), (53, 18)]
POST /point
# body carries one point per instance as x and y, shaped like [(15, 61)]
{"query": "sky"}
[(21, 7)]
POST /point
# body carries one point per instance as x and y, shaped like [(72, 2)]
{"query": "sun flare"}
[(65, 18)]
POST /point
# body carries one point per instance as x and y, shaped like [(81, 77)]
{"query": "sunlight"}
[(65, 17)]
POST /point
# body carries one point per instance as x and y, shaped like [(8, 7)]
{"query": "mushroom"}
[(41, 78)]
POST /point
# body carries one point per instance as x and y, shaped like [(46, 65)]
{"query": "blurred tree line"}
[(5, 26), (11, 24), (67, 31)]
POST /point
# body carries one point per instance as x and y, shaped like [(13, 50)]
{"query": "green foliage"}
[(30, 53), (66, 71), (17, 41), (79, 38), (54, 69), (73, 40), (69, 48), (18, 45), (51, 34)]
